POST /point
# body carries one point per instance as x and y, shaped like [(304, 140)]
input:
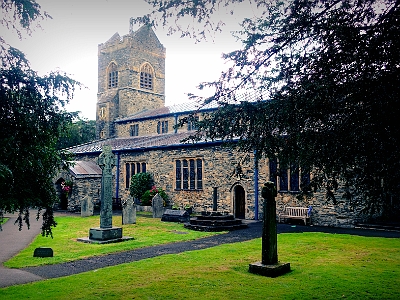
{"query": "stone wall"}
[(146, 128), (219, 165), (84, 187)]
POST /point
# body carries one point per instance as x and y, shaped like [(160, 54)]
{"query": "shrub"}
[(146, 198), (140, 183)]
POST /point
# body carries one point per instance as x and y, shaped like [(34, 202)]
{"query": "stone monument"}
[(269, 265), (106, 233), (128, 211), (87, 206), (158, 206)]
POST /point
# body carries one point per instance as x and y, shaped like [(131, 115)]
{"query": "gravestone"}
[(174, 215), (128, 211), (269, 265), (106, 233), (43, 252), (158, 206), (87, 207)]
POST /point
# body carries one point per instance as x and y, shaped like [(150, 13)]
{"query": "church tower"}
[(131, 78)]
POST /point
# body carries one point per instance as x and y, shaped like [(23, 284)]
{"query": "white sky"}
[(69, 41)]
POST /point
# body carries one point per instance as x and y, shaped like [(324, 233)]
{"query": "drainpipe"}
[(255, 186), (176, 123), (117, 179)]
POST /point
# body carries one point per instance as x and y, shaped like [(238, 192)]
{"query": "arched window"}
[(146, 77), (112, 75), (102, 113)]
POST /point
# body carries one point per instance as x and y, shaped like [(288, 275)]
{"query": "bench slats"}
[(295, 213)]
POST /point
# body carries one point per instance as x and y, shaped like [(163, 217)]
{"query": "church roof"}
[(181, 108), (189, 107), (134, 143), (85, 169)]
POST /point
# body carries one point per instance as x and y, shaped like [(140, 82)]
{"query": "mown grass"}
[(324, 266), (3, 220), (146, 232)]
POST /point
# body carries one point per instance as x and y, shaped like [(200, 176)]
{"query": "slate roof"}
[(186, 107), (133, 143), (82, 169)]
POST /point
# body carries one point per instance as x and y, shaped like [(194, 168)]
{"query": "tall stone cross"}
[(269, 264), (106, 162), (269, 237)]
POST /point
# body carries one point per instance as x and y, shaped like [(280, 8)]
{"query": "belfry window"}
[(146, 77), (112, 76)]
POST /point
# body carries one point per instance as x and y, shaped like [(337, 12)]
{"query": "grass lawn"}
[(147, 232), (2, 221), (324, 266)]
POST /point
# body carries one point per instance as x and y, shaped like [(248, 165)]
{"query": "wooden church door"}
[(239, 202)]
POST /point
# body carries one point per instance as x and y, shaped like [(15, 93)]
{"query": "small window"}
[(112, 76), (102, 134), (192, 123), (162, 127), (134, 130), (146, 77)]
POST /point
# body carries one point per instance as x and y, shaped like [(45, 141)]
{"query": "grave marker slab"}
[(173, 215), (43, 252), (87, 207), (158, 206), (128, 211)]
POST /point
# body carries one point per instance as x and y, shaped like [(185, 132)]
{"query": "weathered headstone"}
[(158, 206), (269, 265), (174, 215), (87, 207), (128, 211)]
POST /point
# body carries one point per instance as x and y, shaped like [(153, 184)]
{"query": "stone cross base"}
[(274, 270), (105, 235)]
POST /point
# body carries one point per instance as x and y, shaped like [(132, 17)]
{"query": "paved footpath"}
[(15, 240)]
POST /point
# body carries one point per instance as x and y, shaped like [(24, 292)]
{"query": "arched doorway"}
[(239, 202), (63, 204)]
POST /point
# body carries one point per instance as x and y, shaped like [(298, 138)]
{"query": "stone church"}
[(132, 118)]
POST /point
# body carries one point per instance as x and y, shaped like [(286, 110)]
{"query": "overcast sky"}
[(69, 41)]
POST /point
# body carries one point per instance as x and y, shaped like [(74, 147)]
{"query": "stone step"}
[(215, 223), (209, 228), (221, 218)]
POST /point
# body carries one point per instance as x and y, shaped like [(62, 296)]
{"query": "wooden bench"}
[(301, 213)]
